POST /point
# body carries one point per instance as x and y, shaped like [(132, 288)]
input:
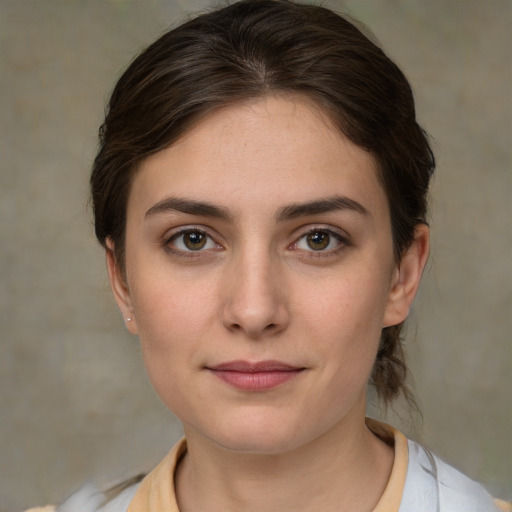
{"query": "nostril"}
[(235, 327), (255, 320)]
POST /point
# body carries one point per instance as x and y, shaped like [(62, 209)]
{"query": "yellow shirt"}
[(156, 492)]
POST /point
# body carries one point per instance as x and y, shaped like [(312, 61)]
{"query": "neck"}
[(347, 468)]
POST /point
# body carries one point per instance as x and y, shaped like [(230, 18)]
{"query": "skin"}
[(259, 290)]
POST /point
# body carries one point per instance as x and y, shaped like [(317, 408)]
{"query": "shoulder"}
[(432, 484), (90, 499)]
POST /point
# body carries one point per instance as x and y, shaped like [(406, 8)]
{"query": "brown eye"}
[(318, 240), (194, 240), (324, 242)]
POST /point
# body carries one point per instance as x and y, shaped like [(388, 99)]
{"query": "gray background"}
[(75, 403)]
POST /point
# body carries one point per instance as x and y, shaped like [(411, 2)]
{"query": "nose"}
[(254, 297)]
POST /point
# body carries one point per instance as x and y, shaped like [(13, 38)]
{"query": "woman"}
[(260, 192)]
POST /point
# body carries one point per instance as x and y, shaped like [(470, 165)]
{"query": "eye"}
[(192, 240), (321, 240)]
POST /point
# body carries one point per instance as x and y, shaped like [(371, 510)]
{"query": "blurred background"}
[(74, 399)]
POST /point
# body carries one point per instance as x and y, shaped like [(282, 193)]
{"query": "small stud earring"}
[(128, 319)]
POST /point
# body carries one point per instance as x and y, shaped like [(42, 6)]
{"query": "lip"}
[(255, 376)]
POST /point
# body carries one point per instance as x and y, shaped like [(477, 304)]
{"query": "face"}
[(259, 275)]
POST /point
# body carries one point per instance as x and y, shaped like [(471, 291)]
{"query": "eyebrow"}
[(324, 205), (289, 212), (199, 208)]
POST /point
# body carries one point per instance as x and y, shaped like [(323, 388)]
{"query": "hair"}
[(248, 50)]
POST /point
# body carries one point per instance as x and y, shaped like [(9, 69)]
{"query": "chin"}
[(259, 435), (262, 444)]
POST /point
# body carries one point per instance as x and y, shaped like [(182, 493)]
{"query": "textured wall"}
[(74, 400)]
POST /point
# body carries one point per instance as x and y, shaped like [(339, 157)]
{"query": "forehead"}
[(261, 153)]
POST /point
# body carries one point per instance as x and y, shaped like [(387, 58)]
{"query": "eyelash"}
[(169, 247), (342, 240)]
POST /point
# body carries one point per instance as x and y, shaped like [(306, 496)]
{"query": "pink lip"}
[(259, 376)]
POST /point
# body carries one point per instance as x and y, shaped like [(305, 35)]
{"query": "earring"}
[(128, 319)]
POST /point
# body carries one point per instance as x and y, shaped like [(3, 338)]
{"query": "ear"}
[(407, 277), (120, 288)]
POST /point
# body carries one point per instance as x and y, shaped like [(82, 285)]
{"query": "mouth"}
[(257, 376)]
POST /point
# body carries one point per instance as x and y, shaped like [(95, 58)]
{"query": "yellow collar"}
[(156, 492)]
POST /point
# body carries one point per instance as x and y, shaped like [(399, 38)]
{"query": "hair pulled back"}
[(254, 48)]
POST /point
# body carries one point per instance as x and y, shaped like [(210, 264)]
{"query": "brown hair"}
[(254, 48)]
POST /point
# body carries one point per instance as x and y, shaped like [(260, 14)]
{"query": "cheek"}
[(352, 304), (170, 328), (172, 317), (169, 300), (345, 321)]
